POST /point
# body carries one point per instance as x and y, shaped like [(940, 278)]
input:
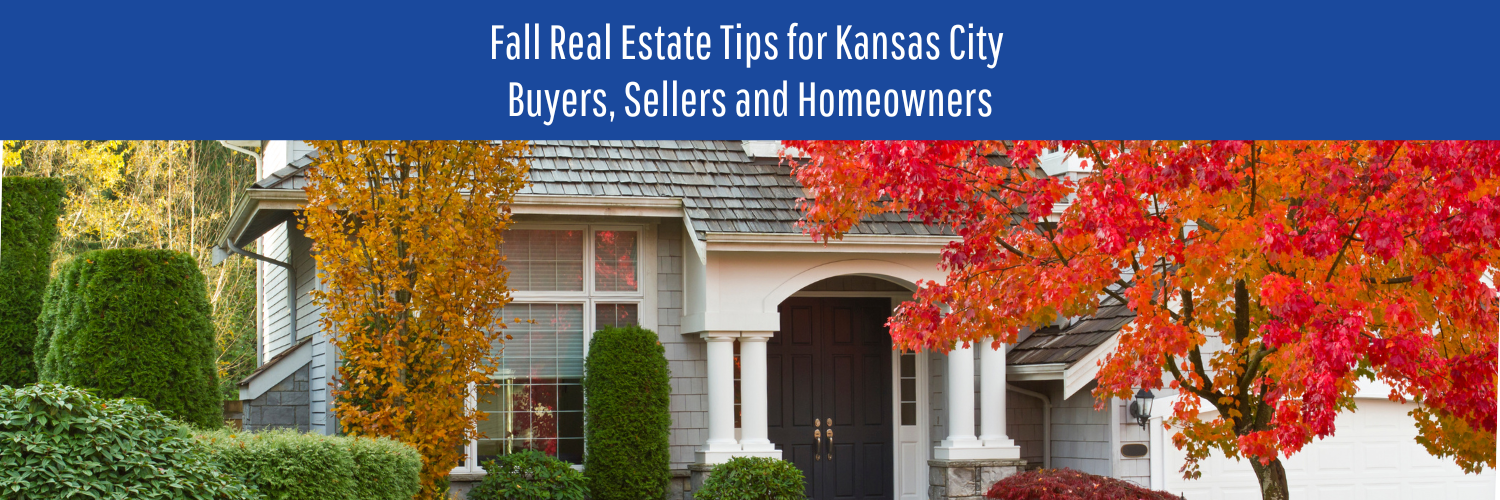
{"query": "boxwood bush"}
[(529, 475), (286, 465), (626, 420), (133, 323), (753, 478), (28, 228), (60, 442), (1069, 484)]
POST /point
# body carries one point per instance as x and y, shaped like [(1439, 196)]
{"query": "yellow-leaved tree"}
[(407, 236)]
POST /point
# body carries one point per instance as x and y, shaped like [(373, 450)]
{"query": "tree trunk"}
[(1272, 478)]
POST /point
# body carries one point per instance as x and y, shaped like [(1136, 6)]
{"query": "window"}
[(558, 301), (908, 388)]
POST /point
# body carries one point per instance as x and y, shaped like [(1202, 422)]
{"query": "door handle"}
[(830, 443), (817, 440)]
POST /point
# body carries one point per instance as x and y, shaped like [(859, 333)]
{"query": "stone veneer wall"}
[(967, 479), (285, 406)]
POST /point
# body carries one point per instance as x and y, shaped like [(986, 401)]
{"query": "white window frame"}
[(588, 298)]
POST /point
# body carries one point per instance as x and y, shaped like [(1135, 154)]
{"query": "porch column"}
[(960, 405), (753, 394), (992, 395), (721, 443)]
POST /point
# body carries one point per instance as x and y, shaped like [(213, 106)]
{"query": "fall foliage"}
[(407, 236), (1268, 277), (174, 195)]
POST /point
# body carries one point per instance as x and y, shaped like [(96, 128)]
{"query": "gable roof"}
[(723, 189)]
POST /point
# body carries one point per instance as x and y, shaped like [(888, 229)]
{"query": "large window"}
[(567, 282)]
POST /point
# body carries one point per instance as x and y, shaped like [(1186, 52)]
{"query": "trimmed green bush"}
[(753, 478), (529, 475), (62, 442), (626, 420), (133, 323), (28, 229), (287, 465)]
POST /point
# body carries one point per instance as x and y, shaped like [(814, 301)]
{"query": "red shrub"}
[(1069, 484)]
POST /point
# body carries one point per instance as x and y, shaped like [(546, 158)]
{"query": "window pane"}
[(546, 342), (538, 395), (533, 414), (615, 315), (615, 261), (545, 260)]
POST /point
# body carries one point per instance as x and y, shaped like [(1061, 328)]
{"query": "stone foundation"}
[(967, 479), (285, 406)]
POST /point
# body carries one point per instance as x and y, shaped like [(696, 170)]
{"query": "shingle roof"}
[(1071, 343), (722, 188)]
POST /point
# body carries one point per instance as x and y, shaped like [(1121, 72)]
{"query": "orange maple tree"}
[(407, 237), (1268, 277)]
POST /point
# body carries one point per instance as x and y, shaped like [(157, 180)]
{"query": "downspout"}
[(1046, 422), (260, 280)]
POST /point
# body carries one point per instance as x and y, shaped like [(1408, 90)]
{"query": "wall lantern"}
[(1140, 408)]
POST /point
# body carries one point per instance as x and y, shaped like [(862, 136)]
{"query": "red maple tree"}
[(1268, 277)]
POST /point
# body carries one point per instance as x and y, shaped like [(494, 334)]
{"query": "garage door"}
[(1371, 456)]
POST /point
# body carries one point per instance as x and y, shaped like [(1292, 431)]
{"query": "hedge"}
[(1069, 484), (133, 323), (529, 475), (753, 478), (28, 230), (626, 420), (60, 442), (287, 465)]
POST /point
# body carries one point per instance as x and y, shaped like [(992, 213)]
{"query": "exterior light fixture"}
[(1140, 408)]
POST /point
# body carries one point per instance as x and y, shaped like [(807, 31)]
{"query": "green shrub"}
[(133, 323), (753, 478), (28, 228), (529, 475), (287, 465), (626, 420), (62, 442)]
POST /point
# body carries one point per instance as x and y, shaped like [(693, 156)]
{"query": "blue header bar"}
[(758, 70)]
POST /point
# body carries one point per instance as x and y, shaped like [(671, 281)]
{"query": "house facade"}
[(776, 344)]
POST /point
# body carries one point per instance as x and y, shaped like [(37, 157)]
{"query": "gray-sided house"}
[(773, 340)]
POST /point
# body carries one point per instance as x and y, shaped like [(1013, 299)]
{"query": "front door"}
[(829, 372)]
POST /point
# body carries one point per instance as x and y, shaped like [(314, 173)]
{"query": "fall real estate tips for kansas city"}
[(965, 42)]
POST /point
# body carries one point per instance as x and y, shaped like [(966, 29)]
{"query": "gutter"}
[(1046, 422)]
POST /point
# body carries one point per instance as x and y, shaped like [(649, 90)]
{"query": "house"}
[(776, 344)]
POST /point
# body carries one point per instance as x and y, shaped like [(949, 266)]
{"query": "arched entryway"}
[(833, 404)]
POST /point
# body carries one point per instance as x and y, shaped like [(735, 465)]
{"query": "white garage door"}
[(1371, 456)]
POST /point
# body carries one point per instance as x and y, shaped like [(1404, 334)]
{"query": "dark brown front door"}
[(829, 371)]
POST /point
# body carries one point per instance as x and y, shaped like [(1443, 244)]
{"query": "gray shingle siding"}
[(686, 355), (1080, 434)]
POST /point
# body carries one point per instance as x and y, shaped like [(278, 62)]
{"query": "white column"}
[(721, 443), (753, 395), (960, 405), (961, 443), (992, 395)]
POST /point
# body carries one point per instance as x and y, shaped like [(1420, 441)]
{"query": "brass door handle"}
[(830, 443), (818, 446)]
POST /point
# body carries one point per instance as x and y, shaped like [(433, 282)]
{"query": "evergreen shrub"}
[(133, 323), (28, 229), (287, 465), (529, 475), (62, 442), (626, 421), (753, 478)]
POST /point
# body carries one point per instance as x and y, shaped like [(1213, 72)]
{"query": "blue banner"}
[(757, 70)]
